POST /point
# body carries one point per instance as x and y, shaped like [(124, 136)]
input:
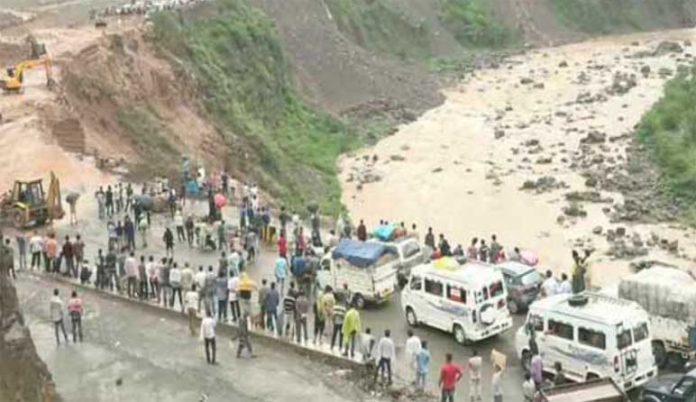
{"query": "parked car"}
[(670, 388), (523, 284), (410, 253)]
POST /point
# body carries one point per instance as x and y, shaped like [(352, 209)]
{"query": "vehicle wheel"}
[(359, 301), (459, 335), (526, 361), (18, 219), (650, 398), (675, 360), (513, 306), (411, 318), (660, 354), (591, 376)]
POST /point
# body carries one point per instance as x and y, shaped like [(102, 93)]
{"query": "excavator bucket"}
[(54, 202)]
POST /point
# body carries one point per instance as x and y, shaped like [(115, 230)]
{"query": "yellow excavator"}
[(15, 74), (27, 203)]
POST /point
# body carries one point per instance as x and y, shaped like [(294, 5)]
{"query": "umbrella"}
[(72, 197), (145, 201), (529, 257), (220, 200)]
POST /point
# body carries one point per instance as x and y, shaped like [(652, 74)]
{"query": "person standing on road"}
[(338, 316), (111, 276), (57, 316), (319, 320), (22, 250), (243, 339), (413, 345), (222, 295), (475, 363), (9, 258), (450, 374), (36, 245), (422, 366), (233, 288), (142, 229), (385, 353), (109, 202), (101, 202), (430, 239), (263, 293), (192, 304), (289, 306), (367, 345), (179, 224), (209, 290), (207, 335), (76, 311), (151, 268), (362, 231), (497, 384), (164, 269), (222, 236), (142, 279), (352, 326), (78, 251), (175, 283), (271, 303), (281, 272), (301, 313), (189, 224), (131, 265), (100, 282), (129, 231), (51, 246), (168, 239)]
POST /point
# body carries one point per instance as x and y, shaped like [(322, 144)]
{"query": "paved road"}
[(378, 318), (157, 360)]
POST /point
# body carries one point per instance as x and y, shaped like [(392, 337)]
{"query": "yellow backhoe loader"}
[(27, 204), (14, 79)]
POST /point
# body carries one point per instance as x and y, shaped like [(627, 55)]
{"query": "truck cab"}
[(671, 388)]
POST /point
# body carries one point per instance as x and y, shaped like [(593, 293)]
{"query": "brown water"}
[(476, 193)]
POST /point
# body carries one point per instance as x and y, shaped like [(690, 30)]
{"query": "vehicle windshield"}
[(411, 249), (531, 278)]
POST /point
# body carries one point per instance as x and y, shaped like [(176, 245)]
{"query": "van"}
[(369, 270), (592, 336), (467, 300)]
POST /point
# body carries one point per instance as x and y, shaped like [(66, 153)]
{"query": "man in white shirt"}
[(36, 244), (413, 346), (233, 261), (131, 267), (385, 353), (475, 363), (550, 285), (528, 388), (232, 285), (208, 337), (565, 288), (192, 304)]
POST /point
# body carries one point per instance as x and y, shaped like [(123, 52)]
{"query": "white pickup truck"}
[(368, 268)]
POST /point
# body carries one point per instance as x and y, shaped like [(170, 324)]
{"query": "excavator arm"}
[(16, 78)]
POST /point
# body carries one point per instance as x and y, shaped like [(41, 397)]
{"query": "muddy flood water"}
[(460, 167)]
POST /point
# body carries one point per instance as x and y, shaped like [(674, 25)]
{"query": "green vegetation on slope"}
[(473, 23), (669, 131), (150, 137), (375, 26), (608, 16), (237, 60)]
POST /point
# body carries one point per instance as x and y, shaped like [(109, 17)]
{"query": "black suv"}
[(671, 388)]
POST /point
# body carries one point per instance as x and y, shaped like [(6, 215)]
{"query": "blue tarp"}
[(384, 232), (358, 253)]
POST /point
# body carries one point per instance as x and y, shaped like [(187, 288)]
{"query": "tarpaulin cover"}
[(358, 253), (384, 232), (446, 263)]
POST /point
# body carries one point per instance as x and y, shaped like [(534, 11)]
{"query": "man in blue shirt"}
[(422, 366), (281, 272)]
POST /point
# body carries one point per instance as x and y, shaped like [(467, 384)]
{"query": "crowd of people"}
[(290, 306)]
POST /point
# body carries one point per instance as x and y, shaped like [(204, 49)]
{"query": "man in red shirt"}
[(283, 245), (450, 374)]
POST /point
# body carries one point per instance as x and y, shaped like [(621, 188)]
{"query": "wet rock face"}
[(24, 375)]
